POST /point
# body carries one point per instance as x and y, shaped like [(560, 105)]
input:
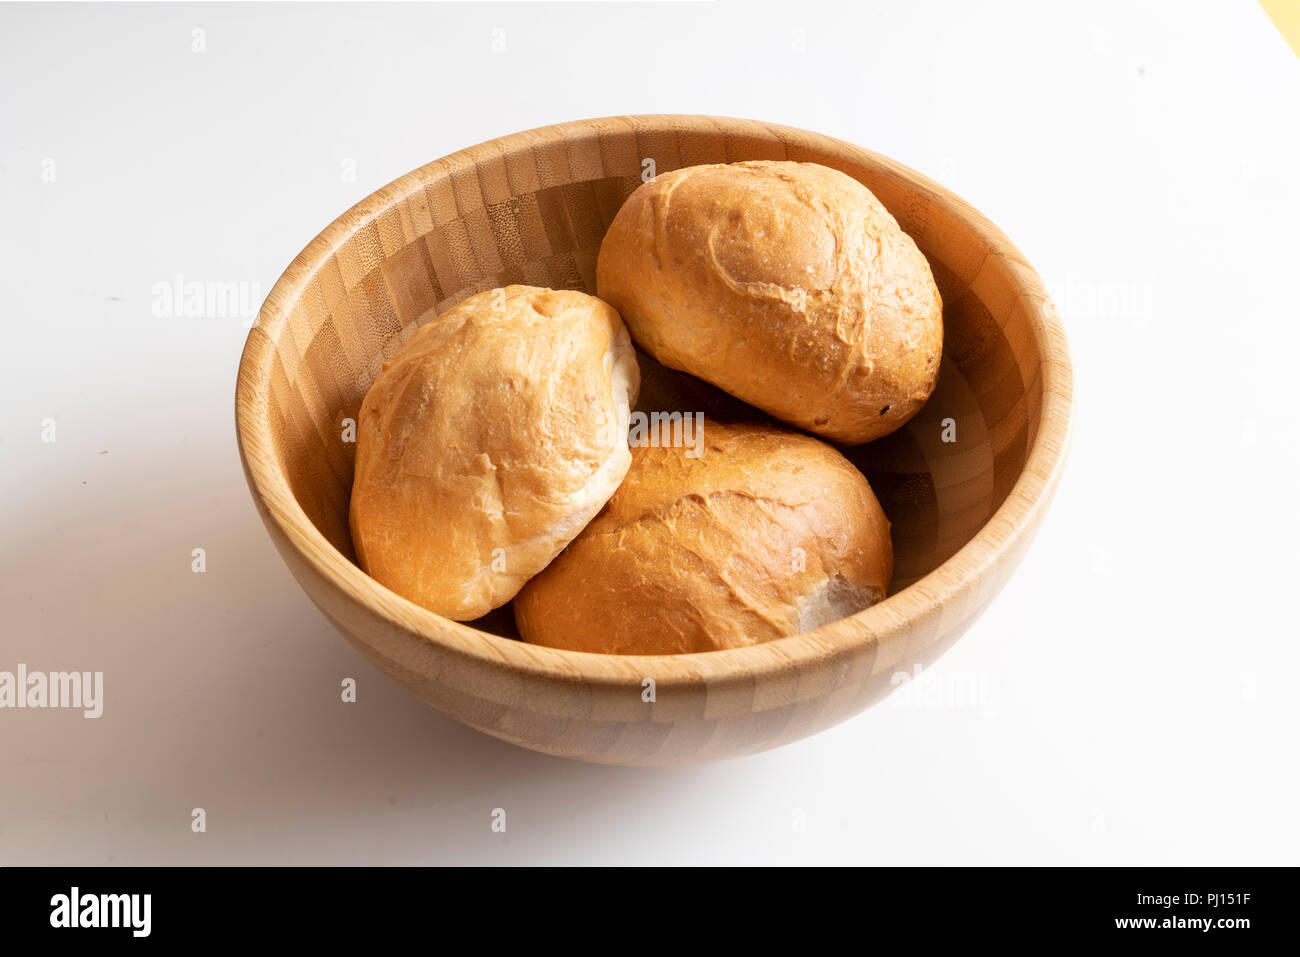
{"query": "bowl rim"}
[(1011, 525)]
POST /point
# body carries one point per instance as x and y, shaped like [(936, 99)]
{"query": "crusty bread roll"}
[(487, 444), (786, 284), (765, 533)]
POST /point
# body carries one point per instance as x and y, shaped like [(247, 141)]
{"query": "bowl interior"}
[(532, 208)]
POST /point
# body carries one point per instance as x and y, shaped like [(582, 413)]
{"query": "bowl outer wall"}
[(705, 706)]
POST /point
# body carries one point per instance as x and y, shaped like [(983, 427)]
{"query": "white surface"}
[(1138, 670)]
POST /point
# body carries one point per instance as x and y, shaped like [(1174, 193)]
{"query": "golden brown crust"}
[(487, 444), (767, 533), (787, 284)]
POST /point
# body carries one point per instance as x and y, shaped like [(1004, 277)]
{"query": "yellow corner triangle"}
[(1285, 15)]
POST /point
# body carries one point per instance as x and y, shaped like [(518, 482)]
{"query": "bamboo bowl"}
[(532, 208)]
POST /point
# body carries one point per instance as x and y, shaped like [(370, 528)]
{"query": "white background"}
[(1136, 679)]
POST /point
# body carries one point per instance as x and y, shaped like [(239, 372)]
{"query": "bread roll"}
[(786, 284), (487, 444), (766, 533)]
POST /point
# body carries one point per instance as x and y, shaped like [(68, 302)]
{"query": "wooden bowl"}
[(532, 208)]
